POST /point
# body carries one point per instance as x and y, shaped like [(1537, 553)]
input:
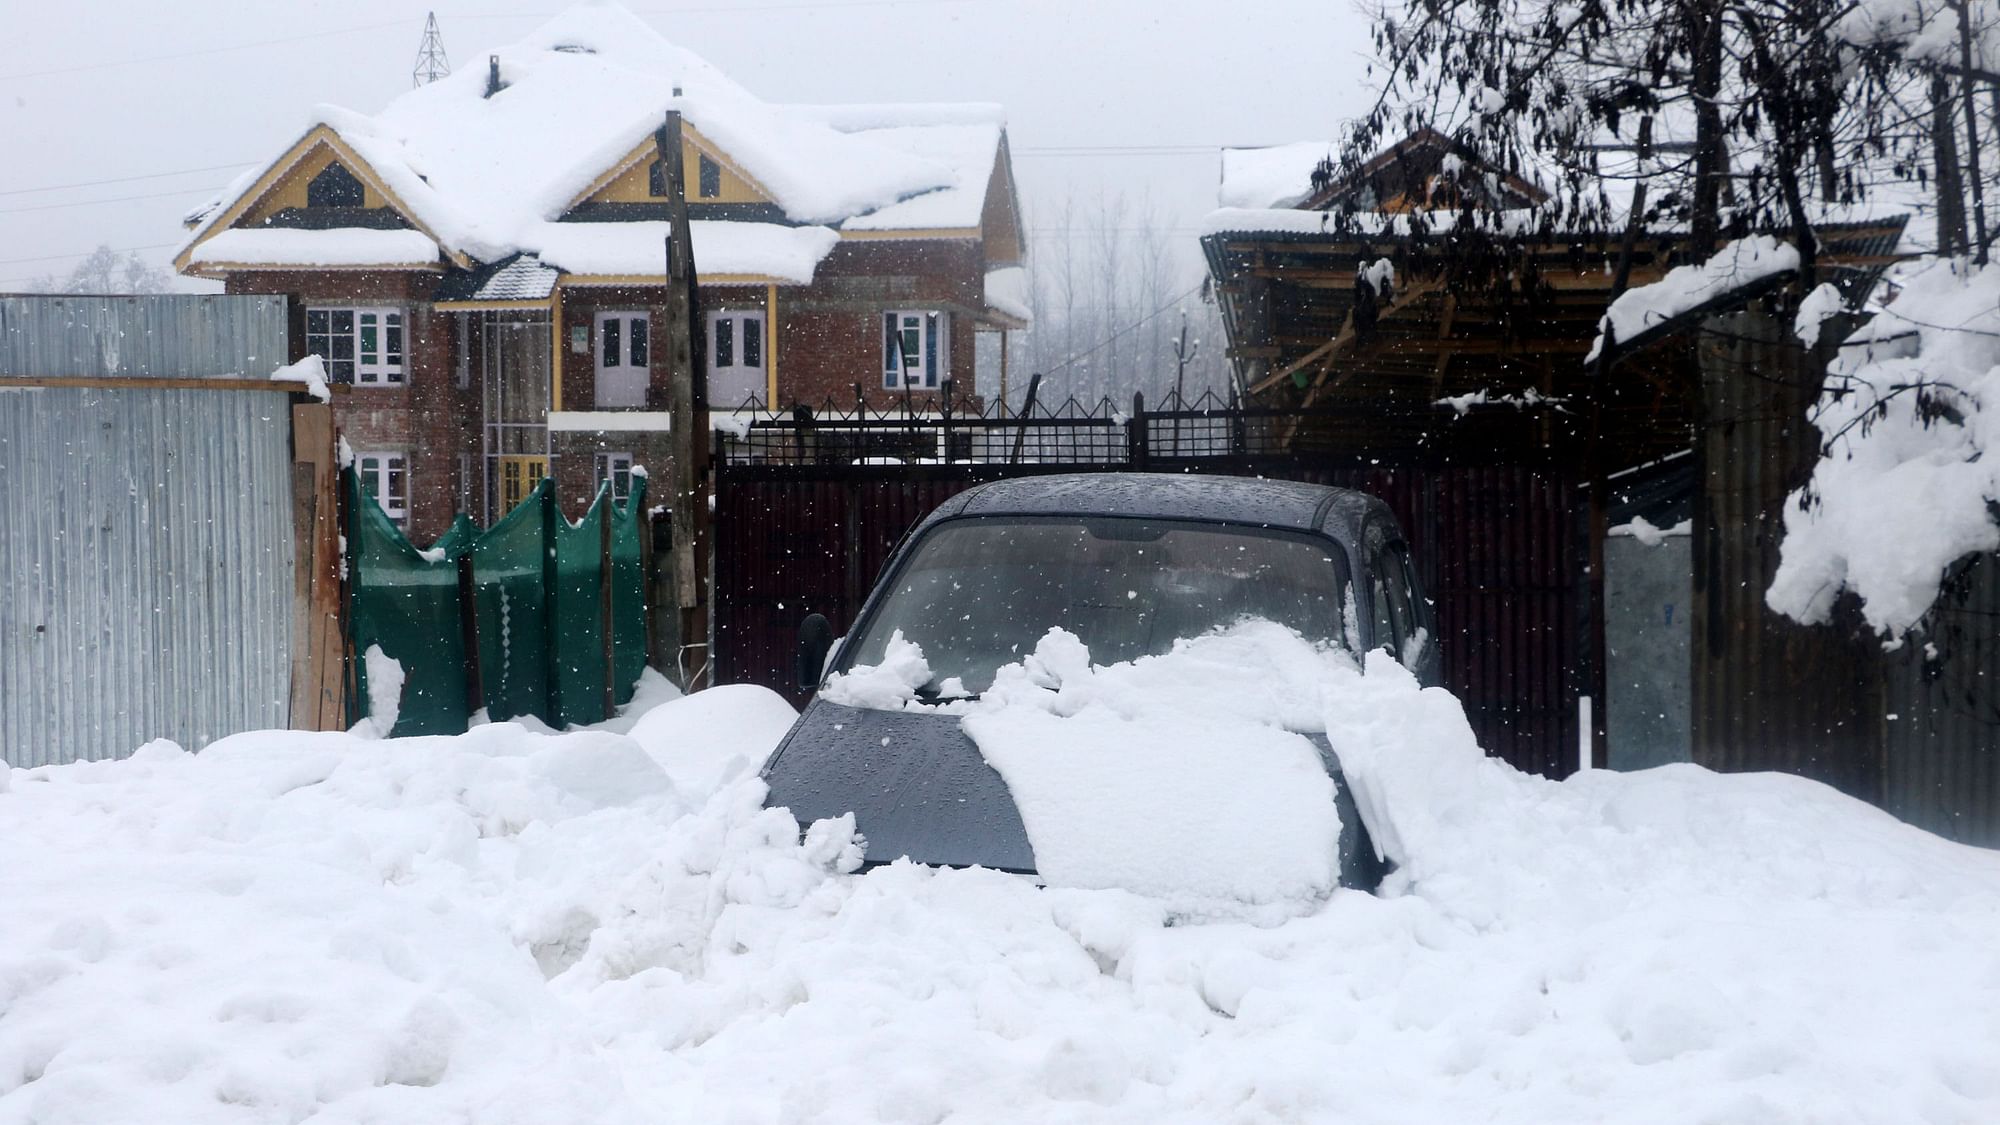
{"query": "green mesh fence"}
[(539, 611)]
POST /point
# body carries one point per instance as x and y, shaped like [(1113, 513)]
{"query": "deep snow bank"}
[(508, 926)]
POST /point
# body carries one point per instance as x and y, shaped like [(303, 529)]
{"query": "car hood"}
[(919, 789), (916, 784)]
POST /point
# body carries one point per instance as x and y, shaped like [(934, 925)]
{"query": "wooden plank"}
[(124, 382), (304, 710)]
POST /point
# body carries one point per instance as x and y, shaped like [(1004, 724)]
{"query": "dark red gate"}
[(1501, 552)]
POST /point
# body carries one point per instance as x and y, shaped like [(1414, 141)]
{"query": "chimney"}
[(492, 75)]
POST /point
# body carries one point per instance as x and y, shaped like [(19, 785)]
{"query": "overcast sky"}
[(150, 106)]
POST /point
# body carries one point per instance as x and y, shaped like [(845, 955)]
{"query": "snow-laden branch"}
[(1909, 474)]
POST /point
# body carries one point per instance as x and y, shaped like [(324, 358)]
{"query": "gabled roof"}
[(1400, 177), (487, 176)]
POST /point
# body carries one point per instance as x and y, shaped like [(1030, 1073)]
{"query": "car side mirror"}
[(815, 640)]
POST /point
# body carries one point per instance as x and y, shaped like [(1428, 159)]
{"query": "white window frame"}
[(746, 331), (933, 330), (618, 386), (610, 466), (380, 471), (385, 366)]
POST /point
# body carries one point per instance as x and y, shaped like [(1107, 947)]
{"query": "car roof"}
[(1247, 500)]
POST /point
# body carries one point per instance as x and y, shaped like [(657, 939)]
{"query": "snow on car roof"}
[(1268, 503)]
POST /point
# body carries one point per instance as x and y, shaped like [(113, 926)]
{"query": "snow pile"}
[(385, 677), (1529, 396), (1172, 776), (1743, 262), (720, 248), (1910, 419), (1008, 292), (889, 686), (343, 246), (511, 927), (311, 371), (1276, 177), (1380, 276), (1819, 306), (1644, 531)]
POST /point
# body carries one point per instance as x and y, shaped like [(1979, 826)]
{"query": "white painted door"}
[(735, 359)]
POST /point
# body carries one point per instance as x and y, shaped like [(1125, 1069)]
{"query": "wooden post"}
[(319, 667), (688, 406)]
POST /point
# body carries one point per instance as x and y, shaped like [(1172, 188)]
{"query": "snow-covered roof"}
[(346, 246), (966, 146), (1007, 293), (721, 249), (485, 175), (1274, 177)]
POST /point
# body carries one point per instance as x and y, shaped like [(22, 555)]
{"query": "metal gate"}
[(1501, 551)]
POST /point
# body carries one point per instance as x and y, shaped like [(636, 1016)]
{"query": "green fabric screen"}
[(538, 610)]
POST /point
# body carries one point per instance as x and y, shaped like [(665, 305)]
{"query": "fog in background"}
[(116, 116)]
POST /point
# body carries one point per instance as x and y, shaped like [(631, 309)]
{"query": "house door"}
[(518, 478), (623, 351), (735, 359)]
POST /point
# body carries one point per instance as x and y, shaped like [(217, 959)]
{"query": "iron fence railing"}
[(943, 429)]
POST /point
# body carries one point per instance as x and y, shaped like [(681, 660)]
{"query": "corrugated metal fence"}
[(145, 534), (1498, 547)]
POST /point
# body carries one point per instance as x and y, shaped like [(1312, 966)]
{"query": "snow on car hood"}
[(510, 926), (1181, 776)]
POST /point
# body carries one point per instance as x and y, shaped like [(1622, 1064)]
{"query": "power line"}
[(1172, 303), (82, 254), (125, 179), (89, 202)]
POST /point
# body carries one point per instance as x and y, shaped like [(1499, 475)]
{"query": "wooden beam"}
[(124, 382)]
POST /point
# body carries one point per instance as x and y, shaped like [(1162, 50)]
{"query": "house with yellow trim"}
[(481, 265)]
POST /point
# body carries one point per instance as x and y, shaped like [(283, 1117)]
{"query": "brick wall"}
[(429, 417), (830, 333), (829, 338)]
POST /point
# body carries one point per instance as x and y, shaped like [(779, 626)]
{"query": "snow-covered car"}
[(1129, 563)]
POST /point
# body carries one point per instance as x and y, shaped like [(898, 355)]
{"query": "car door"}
[(1402, 618)]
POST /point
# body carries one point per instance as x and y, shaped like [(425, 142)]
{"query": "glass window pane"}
[(343, 321), (753, 341), (369, 343), (608, 329), (639, 341), (316, 321), (725, 341)]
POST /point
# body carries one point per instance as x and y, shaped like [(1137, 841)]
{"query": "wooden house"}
[(482, 264)]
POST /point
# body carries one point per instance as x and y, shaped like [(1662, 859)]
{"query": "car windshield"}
[(978, 594)]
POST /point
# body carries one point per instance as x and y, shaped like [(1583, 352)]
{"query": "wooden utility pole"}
[(688, 415)]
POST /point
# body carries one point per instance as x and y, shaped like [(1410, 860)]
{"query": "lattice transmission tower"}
[(431, 63)]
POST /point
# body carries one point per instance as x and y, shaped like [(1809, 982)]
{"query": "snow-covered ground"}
[(517, 926)]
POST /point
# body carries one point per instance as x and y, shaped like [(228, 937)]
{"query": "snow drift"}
[(516, 927)]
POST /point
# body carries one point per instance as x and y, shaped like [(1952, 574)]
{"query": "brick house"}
[(482, 264)]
